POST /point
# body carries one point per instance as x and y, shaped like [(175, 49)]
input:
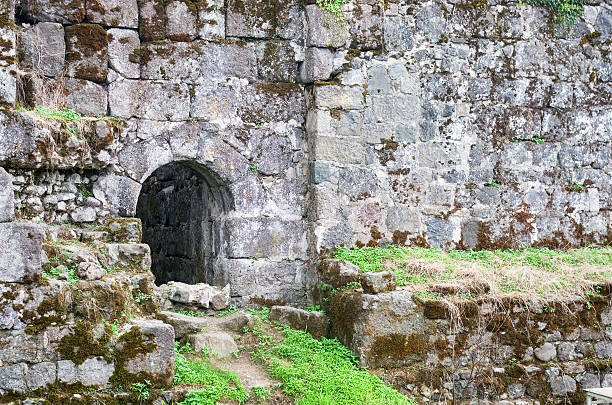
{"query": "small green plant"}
[(228, 311), (537, 139), (66, 113), (253, 168), (190, 313), (334, 7), (216, 384), (493, 184), (261, 393), (115, 327), (142, 388), (315, 308), (577, 186), (142, 297), (566, 11), (84, 191)]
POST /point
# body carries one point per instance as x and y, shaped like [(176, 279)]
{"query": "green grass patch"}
[(215, 384), (531, 271), (567, 11), (322, 372)]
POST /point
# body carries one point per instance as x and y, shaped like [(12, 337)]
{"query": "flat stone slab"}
[(220, 344), (21, 253)]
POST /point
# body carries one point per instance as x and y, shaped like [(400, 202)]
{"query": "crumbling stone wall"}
[(490, 348)]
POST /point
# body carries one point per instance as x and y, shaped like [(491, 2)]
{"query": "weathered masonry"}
[(248, 140)]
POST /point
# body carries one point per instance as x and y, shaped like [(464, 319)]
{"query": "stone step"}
[(185, 324), (218, 343)]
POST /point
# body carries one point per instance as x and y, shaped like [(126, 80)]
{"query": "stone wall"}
[(523, 351), (440, 123), (464, 125)]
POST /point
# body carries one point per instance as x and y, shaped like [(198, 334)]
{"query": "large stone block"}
[(7, 208), (150, 100), (266, 237), (181, 20), (60, 11), (323, 28), (85, 97), (21, 255), (171, 61), (118, 194), (341, 97), (12, 378), (313, 322), (141, 159), (220, 344), (228, 59), (398, 33), (157, 364), (338, 273), (40, 375), (113, 13), (87, 52), (277, 61), (341, 150), (93, 372), (211, 18), (366, 26), (252, 20), (123, 52), (42, 49), (318, 65), (384, 330), (152, 26), (263, 102), (8, 67)]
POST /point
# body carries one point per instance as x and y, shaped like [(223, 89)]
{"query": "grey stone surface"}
[(118, 194), (181, 20), (20, 260), (211, 18), (42, 49), (184, 324), (150, 100), (171, 61), (323, 30), (562, 385), (266, 237), (159, 362), (89, 271), (62, 11), (318, 65), (7, 206), (201, 295), (113, 13), (86, 52), (313, 322), (376, 282), (219, 344), (93, 371), (41, 374), (8, 80), (85, 97), (546, 352), (123, 56), (12, 378)]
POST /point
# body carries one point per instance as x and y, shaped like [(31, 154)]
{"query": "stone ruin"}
[(228, 147)]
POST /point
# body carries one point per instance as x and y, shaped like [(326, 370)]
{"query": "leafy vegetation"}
[(321, 372), (215, 384), (334, 7), (567, 11), (66, 113)]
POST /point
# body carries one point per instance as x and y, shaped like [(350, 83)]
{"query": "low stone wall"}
[(492, 349)]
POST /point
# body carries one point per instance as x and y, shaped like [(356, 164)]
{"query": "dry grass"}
[(528, 273)]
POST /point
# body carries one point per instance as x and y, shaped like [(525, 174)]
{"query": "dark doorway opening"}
[(183, 207)]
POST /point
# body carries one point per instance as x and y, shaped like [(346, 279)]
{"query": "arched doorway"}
[(183, 208)]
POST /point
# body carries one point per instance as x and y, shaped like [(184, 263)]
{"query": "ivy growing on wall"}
[(334, 7), (566, 10)]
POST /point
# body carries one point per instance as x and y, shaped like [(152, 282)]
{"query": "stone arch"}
[(183, 207)]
